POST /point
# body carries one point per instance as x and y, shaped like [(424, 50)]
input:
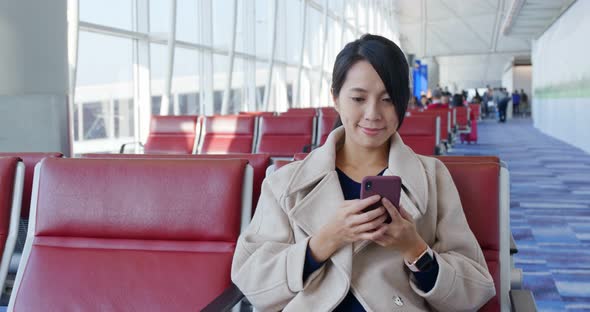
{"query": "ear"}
[(335, 100)]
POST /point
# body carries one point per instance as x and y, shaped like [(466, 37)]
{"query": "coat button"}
[(398, 301)]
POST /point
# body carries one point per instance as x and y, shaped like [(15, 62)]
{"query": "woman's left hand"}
[(401, 233)]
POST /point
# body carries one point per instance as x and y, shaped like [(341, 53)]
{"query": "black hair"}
[(389, 62)]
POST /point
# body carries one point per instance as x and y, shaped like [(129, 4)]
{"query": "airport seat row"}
[(162, 231), (279, 136)]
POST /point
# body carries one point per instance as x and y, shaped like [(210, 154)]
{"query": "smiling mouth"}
[(371, 131)]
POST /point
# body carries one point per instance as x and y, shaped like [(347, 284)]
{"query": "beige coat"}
[(298, 199)]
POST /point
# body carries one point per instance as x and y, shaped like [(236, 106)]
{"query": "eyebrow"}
[(357, 89)]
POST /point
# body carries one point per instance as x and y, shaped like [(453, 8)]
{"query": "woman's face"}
[(365, 108)]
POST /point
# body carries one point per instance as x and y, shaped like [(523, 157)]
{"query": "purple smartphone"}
[(384, 186)]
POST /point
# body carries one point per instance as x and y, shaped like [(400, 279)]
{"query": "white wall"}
[(561, 78), (33, 76)]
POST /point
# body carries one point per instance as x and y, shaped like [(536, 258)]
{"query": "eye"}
[(388, 100), (357, 99)]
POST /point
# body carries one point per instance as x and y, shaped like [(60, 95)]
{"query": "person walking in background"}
[(502, 99), (524, 100), (515, 102)]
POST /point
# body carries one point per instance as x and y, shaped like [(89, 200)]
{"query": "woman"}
[(310, 246)]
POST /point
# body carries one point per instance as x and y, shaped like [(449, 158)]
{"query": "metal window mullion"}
[(142, 93), (73, 35), (324, 44), (166, 96), (249, 36), (231, 55), (206, 68), (297, 100), (357, 31), (271, 60), (343, 23)]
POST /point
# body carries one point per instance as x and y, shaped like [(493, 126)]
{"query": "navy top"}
[(352, 190)]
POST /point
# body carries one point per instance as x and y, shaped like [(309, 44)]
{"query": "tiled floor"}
[(550, 210)]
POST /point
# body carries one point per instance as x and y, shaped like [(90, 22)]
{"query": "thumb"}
[(405, 214)]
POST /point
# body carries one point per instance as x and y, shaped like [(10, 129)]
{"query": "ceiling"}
[(473, 41), (470, 27)]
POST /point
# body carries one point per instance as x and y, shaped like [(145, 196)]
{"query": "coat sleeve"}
[(464, 282), (268, 264)]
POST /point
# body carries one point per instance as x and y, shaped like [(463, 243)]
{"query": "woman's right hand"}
[(349, 225)]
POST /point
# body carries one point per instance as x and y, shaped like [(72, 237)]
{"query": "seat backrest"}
[(329, 110), (259, 163), (445, 117), (257, 113), (462, 116), (325, 126), (227, 134), (11, 189), (421, 133), (310, 111), (131, 234), (475, 111), (172, 135), (283, 136), (478, 184), (30, 160)]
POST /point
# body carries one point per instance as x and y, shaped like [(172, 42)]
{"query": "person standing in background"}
[(515, 103)]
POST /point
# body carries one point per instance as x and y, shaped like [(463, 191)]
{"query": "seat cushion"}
[(95, 279)]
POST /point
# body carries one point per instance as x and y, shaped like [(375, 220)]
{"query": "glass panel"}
[(187, 21), (222, 14), (289, 31), (220, 69), (261, 77), (262, 34), (238, 86), (104, 108), (158, 74), (185, 82), (160, 17), (112, 13)]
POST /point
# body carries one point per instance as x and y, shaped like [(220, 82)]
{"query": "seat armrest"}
[(122, 149), (513, 248), (230, 297), (522, 300)]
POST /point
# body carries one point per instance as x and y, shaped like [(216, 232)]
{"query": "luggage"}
[(471, 136)]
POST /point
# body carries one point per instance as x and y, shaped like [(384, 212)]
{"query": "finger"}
[(366, 216), (374, 235), (405, 214), (391, 209), (359, 205), (370, 226)]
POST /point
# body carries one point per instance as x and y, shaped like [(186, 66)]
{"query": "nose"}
[(372, 111)]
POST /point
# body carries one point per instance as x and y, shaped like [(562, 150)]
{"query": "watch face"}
[(424, 263)]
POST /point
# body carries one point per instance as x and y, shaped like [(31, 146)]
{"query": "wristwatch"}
[(423, 262)]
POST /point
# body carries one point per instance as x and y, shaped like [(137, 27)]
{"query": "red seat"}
[(259, 163), (131, 235), (172, 135), (478, 186), (445, 120), (309, 111), (30, 160), (462, 117), (327, 120), (475, 111), (11, 188), (257, 113), (421, 133), (227, 134), (283, 136)]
